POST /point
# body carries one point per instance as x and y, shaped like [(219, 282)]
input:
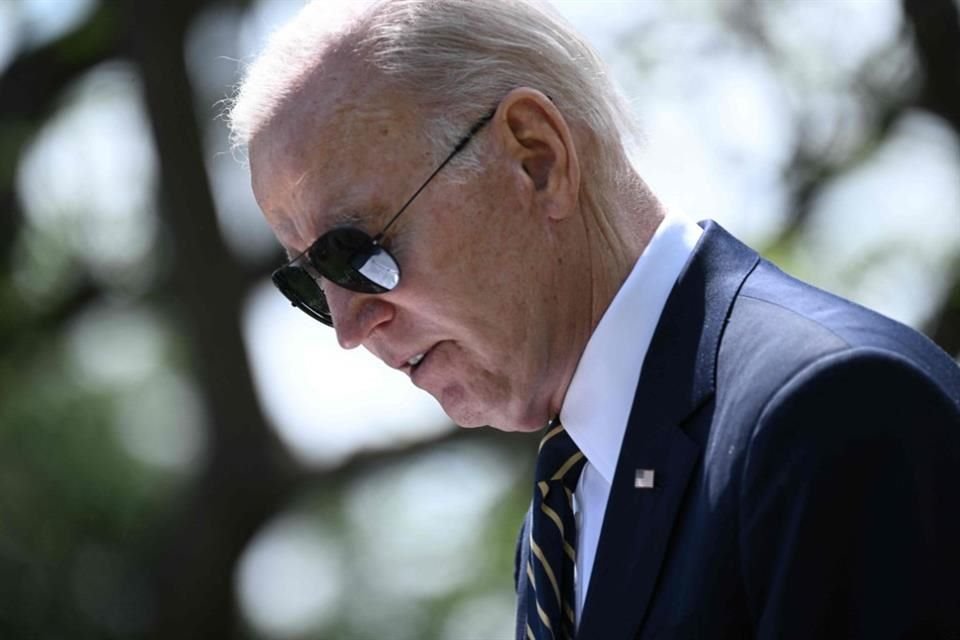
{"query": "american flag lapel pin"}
[(643, 479)]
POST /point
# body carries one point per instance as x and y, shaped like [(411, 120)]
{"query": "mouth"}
[(416, 361)]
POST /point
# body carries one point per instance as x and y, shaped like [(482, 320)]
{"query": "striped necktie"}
[(553, 538)]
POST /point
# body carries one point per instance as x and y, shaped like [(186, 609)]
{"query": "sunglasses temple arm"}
[(457, 149)]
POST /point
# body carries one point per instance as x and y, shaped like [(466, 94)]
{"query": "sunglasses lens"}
[(302, 290), (346, 257), (378, 267), (349, 258)]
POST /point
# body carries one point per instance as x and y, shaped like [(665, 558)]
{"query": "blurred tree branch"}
[(34, 81), (935, 27), (811, 167), (936, 31), (32, 86), (364, 461), (944, 328), (248, 473), (14, 327)]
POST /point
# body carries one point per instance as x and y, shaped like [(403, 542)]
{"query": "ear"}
[(537, 137)]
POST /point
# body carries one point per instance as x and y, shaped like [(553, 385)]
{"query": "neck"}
[(606, 245), (615, 239)]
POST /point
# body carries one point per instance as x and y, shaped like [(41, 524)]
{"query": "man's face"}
[(475, 289)]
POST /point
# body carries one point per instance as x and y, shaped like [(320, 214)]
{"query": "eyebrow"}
[(344, 217), (339, 218)]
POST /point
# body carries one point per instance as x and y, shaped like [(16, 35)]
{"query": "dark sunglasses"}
[(350, 258)]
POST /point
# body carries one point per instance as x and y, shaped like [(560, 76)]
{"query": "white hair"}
[(456, 59)]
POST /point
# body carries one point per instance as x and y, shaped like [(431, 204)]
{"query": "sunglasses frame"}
[(289, 278)]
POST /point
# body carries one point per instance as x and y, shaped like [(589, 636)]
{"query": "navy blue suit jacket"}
[(807, 470)]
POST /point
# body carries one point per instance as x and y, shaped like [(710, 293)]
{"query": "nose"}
[(356, 315)]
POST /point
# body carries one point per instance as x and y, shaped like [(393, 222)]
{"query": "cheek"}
[(482, 288), (471, 266)]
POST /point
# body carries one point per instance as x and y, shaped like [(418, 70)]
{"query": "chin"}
[(469, 411), (522, 428), (473, 417), (465, 418), (509, 428)]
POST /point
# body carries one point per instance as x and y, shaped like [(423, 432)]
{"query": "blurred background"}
[(184, 456)]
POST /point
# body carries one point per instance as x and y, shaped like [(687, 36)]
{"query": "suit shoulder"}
[(783, 337), (864, 399), (780, 325)]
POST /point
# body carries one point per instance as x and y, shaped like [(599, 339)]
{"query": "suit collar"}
[(678, 376), (597, 403)]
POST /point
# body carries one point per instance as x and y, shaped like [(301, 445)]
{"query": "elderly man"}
[(730, 453)]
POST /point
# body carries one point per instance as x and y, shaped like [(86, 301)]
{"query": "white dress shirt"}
[(598, 401)]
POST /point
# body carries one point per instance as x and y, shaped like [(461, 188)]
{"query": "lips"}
[(411, 363), (415, 360)]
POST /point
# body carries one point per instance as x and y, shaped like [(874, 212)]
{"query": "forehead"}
[(332, 159)]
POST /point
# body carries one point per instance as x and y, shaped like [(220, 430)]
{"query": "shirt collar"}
[(598, 401)]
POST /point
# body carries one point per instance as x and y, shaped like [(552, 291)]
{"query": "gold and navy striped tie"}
[(553, 538)]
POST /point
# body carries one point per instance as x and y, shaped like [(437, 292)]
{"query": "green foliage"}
[(75, 510)]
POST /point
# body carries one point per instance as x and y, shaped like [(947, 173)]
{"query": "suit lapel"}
[(677, 377)]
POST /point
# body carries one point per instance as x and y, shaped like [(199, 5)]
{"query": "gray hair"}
[(456, 59)]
